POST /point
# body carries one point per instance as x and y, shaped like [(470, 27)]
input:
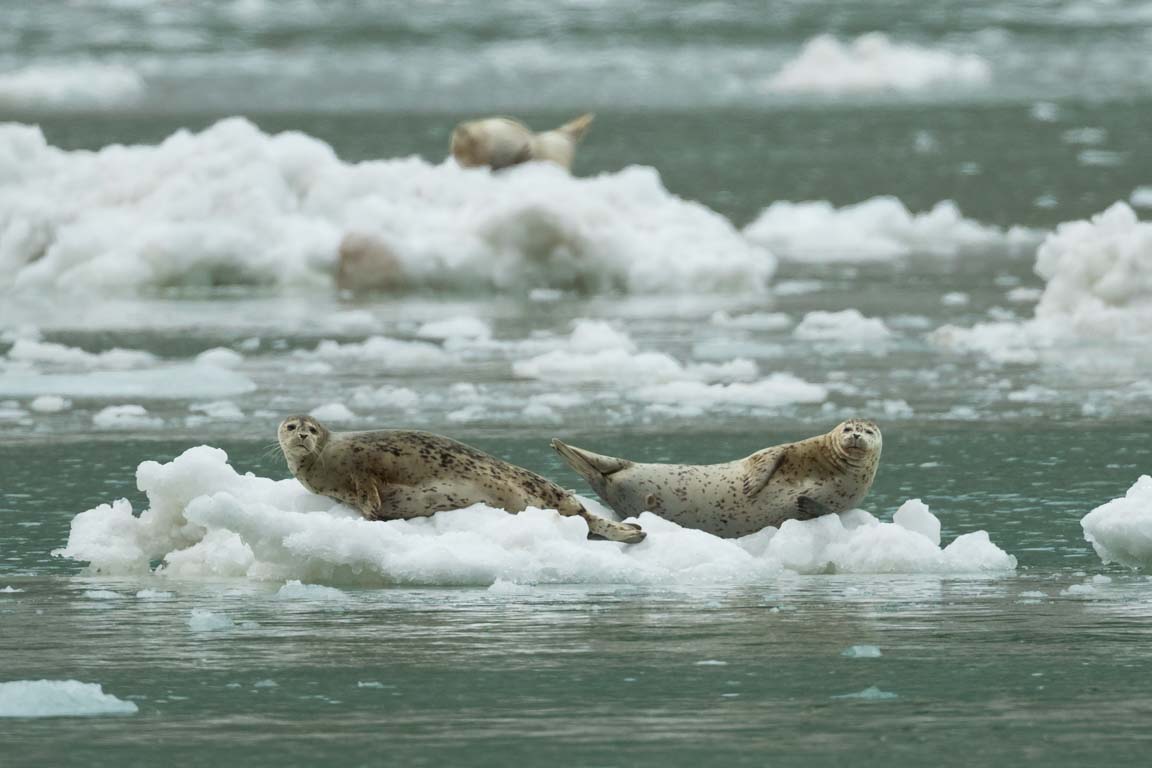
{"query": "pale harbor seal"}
[(401, 474), (818, 476), (367, 263), (500, 142)]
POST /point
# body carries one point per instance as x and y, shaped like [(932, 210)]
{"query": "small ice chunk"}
[(1121, 530), (455, 328), (913, 515), (220, 357), (204, 620), (955, 299), (10, 590), (332, 412), (1141, 197), (59, 698), (130, 416), (50, 404), (846, 325), (154, 594), (218, 410), (753, 321), (862, 652), (711, 663), (871, 693), (294, 589), (506, 587), (102, 594), (267, 683)]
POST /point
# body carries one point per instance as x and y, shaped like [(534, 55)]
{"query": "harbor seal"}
[(794, 481), (367, 263), (500, 142), (401, 474)]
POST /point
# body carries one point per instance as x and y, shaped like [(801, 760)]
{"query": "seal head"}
[(302, 439)]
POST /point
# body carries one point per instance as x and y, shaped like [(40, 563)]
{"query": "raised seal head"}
[(857, 439), (301, 438)]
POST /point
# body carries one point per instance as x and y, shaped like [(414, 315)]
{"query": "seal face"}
[(500, 142), (822, 475), (402, 474)]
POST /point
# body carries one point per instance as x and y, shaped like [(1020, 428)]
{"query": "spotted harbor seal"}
[(818, 476), (500, 142), (401, 474)]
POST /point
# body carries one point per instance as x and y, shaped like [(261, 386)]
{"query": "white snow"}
[(878, 229), (59, 698), (1121, 530), (70, 86), (233, 206), (873, 62), (205, 520)]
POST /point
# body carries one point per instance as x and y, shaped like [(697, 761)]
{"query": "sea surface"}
[(1018, 431)]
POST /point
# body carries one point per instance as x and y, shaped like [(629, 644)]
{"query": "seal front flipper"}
[(809, 508), (591, 466), (759, 469)]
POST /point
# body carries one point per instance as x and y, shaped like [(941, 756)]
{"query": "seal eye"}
[(291, 427), (312, 430)]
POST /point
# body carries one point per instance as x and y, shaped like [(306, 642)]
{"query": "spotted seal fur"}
[(821, 475), (402, 474)]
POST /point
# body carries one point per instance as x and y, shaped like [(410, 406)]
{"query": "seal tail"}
[(575, 129), (591, 466)]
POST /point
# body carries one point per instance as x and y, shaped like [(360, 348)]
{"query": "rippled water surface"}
[(218, 242)]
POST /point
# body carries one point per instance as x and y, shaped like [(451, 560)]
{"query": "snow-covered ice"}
[(1121, 530)]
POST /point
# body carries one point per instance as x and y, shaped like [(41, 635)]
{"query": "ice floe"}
[(59, 698), (1121, 530), (847, 325), (80, 86), (234, 206), (873, 62), (1098, 285), (206, 520), (877, 229)]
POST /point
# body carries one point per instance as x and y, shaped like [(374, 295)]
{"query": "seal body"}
[(500, 142), (402, 474), (822, 475)]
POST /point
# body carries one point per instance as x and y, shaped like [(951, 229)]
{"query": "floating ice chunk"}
[(754, 321), (1078, 590), (206, 521), (220, 357), (267, 683), (102, 594), (154, 594), (59, 698), (1025, 295), (233, 206), (913, 515), (1084, 136), (175, 382), (218, 410), (337, 412), (297, 590), (711, 663), (1121, 530), (1045, 111), (955, 299), (775, 391), (878, 229), (862, 652), (130, 416), (1141, 197), (387, 396), (10, 590), (621, 365), (49, 353), (1099, 273), (455, 328), (846, 325), (204, 620), (872, 62), (505, 587), (70, 86), (50, 404), (392, 353), (871, 693)]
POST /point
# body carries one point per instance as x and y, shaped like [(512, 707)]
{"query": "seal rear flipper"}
[(591, 466), (575, 129)]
